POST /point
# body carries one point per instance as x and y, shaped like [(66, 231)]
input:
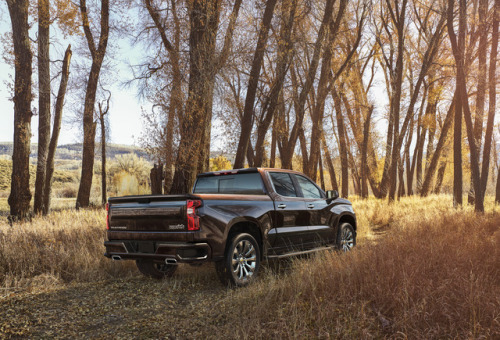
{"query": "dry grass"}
[(434, 272), (421, 270), (63, 247)]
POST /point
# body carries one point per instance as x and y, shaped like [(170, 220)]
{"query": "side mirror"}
[(331, 195)]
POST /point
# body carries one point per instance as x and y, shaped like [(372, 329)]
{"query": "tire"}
[(346, 237), (241, 261), (155, 270)]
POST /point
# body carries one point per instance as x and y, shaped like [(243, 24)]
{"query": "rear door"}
[(315, 201), (291, 215)]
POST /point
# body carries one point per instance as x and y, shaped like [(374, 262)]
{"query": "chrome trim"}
[(296, 253), (135, 211), (192, 258)]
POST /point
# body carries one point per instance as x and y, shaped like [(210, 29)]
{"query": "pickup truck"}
[(234, 218)]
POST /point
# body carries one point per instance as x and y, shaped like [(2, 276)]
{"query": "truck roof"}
[(244, 170)]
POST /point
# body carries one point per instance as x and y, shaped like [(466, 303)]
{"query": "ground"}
[(421, 269)]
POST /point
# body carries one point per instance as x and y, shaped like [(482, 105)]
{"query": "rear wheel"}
[(346, 238), (241, 261), (155, 270)]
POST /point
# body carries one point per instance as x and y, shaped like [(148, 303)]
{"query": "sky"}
[(125, 108)]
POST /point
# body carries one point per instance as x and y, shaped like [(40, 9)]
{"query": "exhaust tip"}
[(116, 257), (170, 261)]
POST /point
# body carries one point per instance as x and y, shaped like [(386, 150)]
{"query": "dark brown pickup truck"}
[(235, 218)]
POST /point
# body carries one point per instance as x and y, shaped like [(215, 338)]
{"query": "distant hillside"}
[(74, 151)]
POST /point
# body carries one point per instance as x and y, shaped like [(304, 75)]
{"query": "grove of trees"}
[(394, 95)]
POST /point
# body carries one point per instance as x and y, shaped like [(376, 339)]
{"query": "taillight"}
[(107, 216), (192, 218)]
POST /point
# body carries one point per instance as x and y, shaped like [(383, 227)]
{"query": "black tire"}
[(346, 237), (155, 270), (241, 261)]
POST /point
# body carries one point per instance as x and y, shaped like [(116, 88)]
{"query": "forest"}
[(394, 96), (393, 103)]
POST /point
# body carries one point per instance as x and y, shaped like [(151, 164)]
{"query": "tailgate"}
[(148, 213)]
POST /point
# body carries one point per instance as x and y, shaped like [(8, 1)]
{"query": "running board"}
[(297, 253)]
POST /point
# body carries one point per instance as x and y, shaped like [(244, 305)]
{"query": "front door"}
[(291, 218), (320, 231)]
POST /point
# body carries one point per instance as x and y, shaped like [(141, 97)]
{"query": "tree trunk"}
[(440, 177), (175, 104), (481, 84), (321, 173), (43, 102), (364, 154), (102, 114), (272, 159), (329, 163), (458, 53), (342, 143), (442, 140), (492, 100), (305, 157), (396, 101), (204, 20), (89, 124), (497, 191), (289, 144), (156, 176), (56, 129), (326, 81), (20, 194), (284, 57), (420, 129), (457, 136), (253, 81), (104, 189), (401, 181)]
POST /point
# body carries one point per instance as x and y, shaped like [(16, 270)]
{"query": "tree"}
[(43, 102), (204, 64), (246, 123), (89, 125), (463, 102), (20, 194), (492, 99), (103, 111), (204, 21), (286, 144), (56, 129)]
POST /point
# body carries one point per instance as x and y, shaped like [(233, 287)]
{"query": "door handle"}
[(310, 206), (282, 206)]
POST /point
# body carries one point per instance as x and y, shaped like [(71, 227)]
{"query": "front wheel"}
[(346, 237), (155, 270), (241, 261)]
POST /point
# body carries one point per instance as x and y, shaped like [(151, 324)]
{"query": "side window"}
[(283, 184), (309, 190)]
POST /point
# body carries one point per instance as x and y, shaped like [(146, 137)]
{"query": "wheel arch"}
[(245, 226), (351, 219)]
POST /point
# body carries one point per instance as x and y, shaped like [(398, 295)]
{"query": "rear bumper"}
[(160, 251)]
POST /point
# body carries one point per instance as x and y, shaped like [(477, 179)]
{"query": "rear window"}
[(245, 184)]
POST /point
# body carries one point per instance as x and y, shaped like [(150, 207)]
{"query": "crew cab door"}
[(291, 218), (318, 214)]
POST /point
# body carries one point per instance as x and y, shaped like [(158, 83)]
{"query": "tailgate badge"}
[(176, 226)]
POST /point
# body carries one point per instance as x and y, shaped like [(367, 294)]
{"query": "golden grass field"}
[(421, 270)]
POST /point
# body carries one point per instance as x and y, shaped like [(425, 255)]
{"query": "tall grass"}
[(65, 246), (421, 270), (433, 272)]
